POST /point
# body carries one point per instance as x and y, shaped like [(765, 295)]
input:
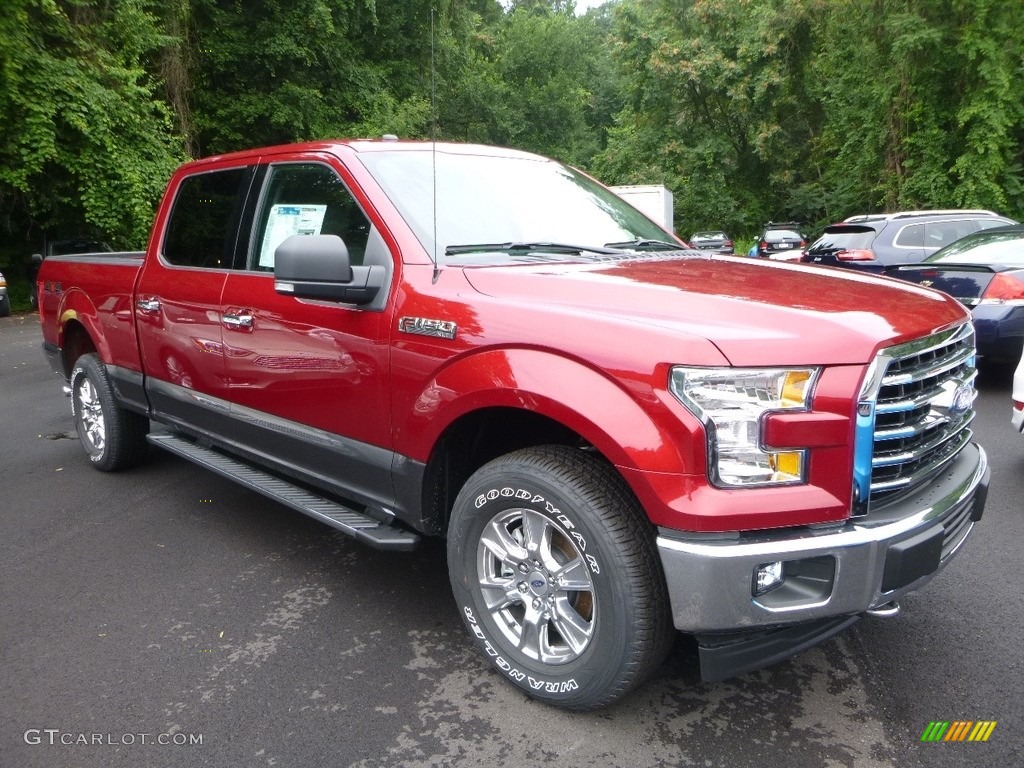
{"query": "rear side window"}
[(203, 228), (934, 234)]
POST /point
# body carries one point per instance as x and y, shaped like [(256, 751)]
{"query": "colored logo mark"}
[(958, 730)]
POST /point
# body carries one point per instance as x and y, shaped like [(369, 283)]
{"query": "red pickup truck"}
[(616, 435)]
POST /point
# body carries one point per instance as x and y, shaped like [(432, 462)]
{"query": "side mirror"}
[(318, 267), (37, 259)]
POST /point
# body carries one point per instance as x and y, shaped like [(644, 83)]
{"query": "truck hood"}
[(754, 312)]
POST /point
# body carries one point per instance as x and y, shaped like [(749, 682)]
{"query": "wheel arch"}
[(78, 330), (525, 398)]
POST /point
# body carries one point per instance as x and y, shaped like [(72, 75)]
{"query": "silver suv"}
[(873, 242)]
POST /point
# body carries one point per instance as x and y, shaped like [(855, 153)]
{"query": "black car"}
[(715, 241), (782, 241), (985, 272), (873, 242)]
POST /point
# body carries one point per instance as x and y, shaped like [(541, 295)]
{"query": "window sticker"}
[(285, 221)]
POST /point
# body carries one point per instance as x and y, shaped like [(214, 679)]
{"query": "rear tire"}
[(113, 437), (554, 569), (5, 306)]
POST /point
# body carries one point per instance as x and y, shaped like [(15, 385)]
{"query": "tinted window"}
[(911, 237), (844, 239), (992, 222), (203, 228), (935, 234), (308, 199), (778, 235)]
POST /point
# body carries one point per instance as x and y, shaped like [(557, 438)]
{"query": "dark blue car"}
[(985, 271)]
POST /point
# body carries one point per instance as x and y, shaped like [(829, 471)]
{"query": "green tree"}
[(87, 140)]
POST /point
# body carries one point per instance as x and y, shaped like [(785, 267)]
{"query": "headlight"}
[(731, 402)]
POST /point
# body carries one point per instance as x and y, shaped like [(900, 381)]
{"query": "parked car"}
[(1018, 397), (984, 271), (874, 242), (5, 299), (781, 241), (715, 241)]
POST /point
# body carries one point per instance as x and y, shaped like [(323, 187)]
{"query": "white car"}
[(1018, 397)]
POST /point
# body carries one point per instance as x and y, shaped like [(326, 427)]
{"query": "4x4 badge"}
[(425, 326)]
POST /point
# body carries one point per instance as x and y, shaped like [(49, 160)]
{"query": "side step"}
[(357, 524)]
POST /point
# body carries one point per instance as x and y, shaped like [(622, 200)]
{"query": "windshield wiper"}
[(642, 244), (516, 247)]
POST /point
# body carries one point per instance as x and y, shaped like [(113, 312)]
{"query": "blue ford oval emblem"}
[(537, 583), (962, 400)]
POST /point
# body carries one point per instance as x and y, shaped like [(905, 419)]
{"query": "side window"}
[(308, 199), (990, 222), (911, 236), (203, 227), (940, 233)]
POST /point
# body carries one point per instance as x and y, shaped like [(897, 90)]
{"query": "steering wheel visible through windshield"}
[(491, 207)]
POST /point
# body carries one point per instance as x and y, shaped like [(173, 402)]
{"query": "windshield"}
[(985, 248), (483, 199)]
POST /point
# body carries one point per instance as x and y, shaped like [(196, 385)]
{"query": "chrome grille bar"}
[(920, 399)]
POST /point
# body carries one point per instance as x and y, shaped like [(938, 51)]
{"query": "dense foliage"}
[(747, 110)]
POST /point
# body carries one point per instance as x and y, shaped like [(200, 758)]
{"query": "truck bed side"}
[(86, 305)]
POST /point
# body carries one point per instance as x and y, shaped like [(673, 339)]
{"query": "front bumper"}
[(832, 571)]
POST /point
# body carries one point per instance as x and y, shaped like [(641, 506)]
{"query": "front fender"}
[(630, 424)]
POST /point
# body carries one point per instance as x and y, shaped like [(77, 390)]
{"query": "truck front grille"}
[(922, 403)]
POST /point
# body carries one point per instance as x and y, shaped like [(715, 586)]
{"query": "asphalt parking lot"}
[(165, 616)]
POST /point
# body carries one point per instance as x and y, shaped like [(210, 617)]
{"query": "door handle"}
[(149, 306), (241, 321)]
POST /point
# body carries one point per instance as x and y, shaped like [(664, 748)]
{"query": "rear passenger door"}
[(306, 378), (177, 298)]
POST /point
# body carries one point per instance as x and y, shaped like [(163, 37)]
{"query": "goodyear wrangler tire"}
[(113, 438), (555, 573)]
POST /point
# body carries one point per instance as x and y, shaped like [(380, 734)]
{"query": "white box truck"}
[(652, 200)]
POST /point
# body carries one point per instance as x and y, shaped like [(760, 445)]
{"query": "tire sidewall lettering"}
[(556, 514), (513, 672), (507, 497)]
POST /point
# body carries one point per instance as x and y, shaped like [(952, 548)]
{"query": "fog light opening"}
[(767, 577)]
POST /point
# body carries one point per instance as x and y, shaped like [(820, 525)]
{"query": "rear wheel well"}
[(77, 342), (474, 440)]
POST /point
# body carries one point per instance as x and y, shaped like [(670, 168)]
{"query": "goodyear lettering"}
[(535, 498), (516, 674)]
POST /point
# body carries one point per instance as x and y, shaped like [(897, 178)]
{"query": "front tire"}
[(113, 437), (554, 570)]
